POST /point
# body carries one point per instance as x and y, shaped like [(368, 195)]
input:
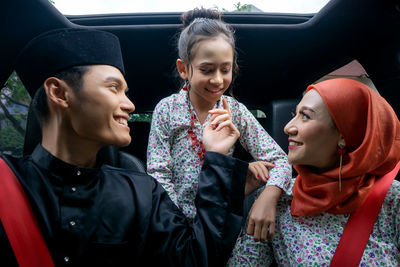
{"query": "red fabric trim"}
[(19, 222), (197, 145), (359, 226)]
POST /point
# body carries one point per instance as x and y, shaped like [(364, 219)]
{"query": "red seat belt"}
[(360, 224), (19, 222)]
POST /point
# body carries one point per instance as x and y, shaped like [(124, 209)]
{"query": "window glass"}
[(14, 103), (146, 117), (258, 114), (79, 7)]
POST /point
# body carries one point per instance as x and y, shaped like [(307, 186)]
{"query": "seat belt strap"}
[(19, 222), (360, 224)]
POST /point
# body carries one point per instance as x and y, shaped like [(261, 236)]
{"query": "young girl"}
[(207, 64)]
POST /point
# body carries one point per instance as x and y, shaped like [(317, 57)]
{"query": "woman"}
[(343, 139)]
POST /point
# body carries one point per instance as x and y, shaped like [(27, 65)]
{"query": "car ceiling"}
[(279, 54)]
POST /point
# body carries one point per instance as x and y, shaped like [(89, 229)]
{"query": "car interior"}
[(278, 56)]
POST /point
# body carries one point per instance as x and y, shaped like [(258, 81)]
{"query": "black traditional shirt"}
[(111, 216)]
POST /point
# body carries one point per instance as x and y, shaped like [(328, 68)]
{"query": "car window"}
[(141, 117), (78, 7), (14, 103)]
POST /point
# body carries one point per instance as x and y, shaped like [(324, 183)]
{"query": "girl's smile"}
[(210, 71)]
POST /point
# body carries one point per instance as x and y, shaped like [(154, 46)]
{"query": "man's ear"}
[(181, 67), (56, 91)]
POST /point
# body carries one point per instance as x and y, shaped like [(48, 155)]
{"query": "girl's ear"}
[(56, 92), (181, 67)]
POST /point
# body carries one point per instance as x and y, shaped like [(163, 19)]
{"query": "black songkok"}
[(60, 49)]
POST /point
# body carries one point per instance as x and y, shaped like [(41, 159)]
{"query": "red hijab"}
[(371, 131)]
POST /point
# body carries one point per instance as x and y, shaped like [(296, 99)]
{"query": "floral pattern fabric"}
[(312, 240), (173, 162)]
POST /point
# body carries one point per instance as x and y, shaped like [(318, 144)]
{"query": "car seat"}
[(140, 131), (280, 113)]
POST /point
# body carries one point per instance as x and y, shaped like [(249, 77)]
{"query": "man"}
[(94, 215)]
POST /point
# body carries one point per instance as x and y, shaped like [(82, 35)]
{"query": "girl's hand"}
[(220, 134), (262, 214), (256, 175), (260, 170)]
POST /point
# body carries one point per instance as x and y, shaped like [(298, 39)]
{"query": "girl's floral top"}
[(172, 160), (312, 240)]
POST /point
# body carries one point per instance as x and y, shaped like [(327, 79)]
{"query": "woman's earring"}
[(341, 151)]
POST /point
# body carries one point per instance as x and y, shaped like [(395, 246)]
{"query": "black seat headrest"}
[(280, 113)]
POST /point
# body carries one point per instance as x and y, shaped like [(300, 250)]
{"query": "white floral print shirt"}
[(312, 240), (173, 162)]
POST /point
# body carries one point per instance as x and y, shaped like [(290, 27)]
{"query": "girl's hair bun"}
[(191, 15)]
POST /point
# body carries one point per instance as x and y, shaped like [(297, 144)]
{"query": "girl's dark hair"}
[(202, 24), (191, 15), (72, 76)]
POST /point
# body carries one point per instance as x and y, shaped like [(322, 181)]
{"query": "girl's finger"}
[(220, 118), (226, 106), (264, 171), (227, 123), (257, 172), (251, 169), (267, 164), (212, 118), (218, 111)]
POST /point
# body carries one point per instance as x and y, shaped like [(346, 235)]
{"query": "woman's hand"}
[(262, 214), (220, 134)]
